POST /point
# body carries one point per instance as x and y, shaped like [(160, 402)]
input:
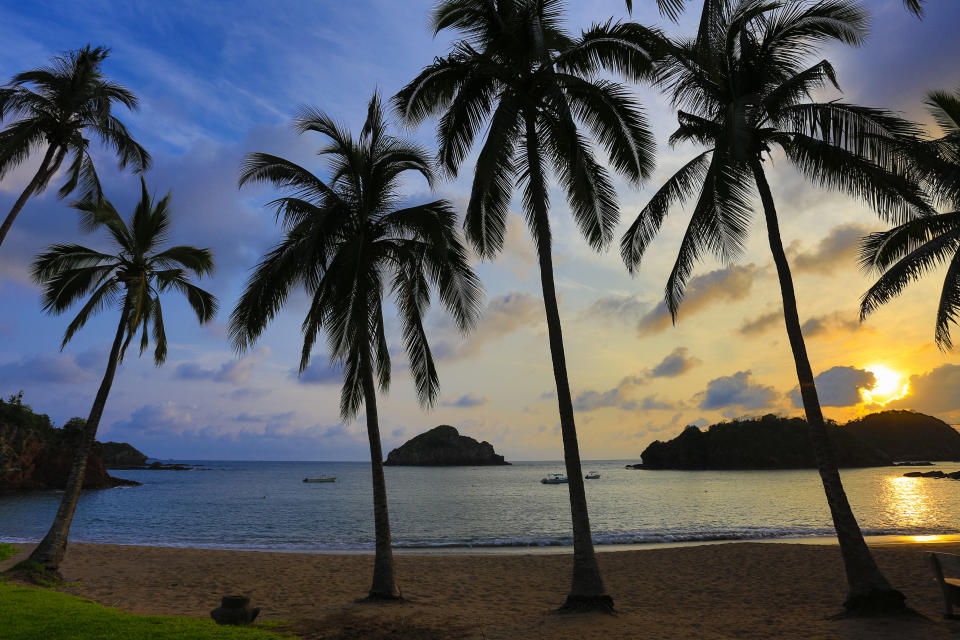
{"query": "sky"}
[(220, 79)]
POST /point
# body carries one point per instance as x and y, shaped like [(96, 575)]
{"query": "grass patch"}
[(7, 551), (37, 614)]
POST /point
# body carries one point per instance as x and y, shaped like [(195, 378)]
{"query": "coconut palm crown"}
[(129, 279), (348, 240), (917, 247), (61, 106), (516, 77), (743, 87)]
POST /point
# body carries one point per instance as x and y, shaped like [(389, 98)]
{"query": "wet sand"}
[(733, 590)]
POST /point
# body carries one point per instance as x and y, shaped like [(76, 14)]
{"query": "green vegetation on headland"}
[(40, 614), (775, 442)]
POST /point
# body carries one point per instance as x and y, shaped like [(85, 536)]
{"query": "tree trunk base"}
[(877, 602), (382, 596), (34, 573), (603, 604)]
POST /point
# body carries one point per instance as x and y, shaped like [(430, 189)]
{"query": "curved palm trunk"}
[(586, 588), (52, 548), (42, 175), (384, 582), (868, 589)]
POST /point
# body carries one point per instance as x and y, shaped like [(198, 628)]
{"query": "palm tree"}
[(748, 91), (57, 106), (346, 240), (520, 77), (913, 249), (130, 279)]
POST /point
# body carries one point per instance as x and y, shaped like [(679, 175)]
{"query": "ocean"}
[(266, 506)]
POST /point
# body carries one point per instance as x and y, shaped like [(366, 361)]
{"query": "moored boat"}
[(555, 478), (321, 479), (592, 475)]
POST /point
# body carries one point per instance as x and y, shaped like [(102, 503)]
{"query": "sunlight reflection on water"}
[(907, 501)]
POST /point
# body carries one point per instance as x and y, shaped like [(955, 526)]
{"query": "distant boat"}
[(592, 475), (555, 478), (321, 479)]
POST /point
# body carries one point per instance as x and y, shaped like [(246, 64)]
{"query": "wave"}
[(635, 538)]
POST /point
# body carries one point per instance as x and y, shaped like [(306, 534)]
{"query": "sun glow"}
[(889, 386)]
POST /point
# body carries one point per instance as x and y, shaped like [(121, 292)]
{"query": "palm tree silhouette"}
[(130, 279), (58, 106), (913, 249), (517, 70), (744, 82), (346, 240)]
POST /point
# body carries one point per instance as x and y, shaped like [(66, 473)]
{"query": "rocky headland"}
[(443, 446), (35, 455), (123, 456)]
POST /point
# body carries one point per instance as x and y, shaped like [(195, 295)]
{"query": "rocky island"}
[(443, 446), (775, 442)]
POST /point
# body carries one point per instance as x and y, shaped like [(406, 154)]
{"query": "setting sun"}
[(890, 385)]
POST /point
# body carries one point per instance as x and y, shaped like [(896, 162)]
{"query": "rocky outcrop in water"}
[(770, 442), (120, 455), (35, 455), (443, 446)]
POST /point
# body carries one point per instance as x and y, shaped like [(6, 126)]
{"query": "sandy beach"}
[(736, 590)]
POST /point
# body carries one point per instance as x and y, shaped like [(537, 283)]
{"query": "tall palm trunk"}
[(868, 589), (39, 178), (586, 589), (52, 548), (384, 582)]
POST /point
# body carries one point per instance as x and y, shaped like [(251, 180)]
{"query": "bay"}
[(266, 505)]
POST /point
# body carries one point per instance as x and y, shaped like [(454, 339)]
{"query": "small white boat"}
[(321, 479), (555, 478), (592, 475)]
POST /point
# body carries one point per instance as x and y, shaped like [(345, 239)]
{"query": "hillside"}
[(769, 442), (908, 435)]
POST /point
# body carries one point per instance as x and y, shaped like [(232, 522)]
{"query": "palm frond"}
[(623, 48), (680, 187), (485, 222), (912, 266), (945, 107)]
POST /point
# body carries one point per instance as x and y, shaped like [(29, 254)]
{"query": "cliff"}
[(908, 435), (35, 455), (443, 446), (770, 442)]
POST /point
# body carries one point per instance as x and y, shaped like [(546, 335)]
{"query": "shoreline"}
[(537, 550), (744, 590)]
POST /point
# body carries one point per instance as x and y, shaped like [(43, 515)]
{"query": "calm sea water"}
[(265, 505)]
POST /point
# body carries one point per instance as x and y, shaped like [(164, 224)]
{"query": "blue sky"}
[(217, 80)]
